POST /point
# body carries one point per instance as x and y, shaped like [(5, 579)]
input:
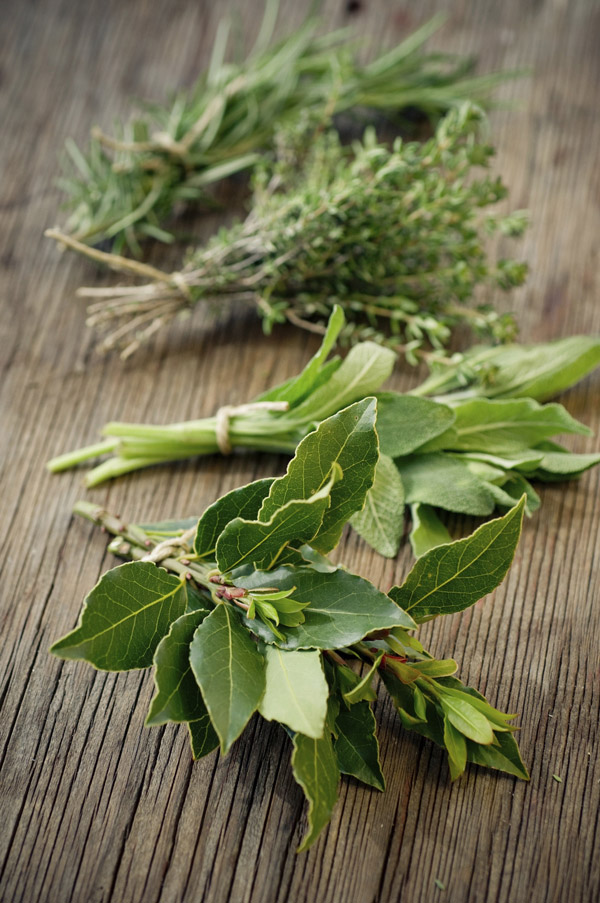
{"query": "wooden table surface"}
[(95, 807)]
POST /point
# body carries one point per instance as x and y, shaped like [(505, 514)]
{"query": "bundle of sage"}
[(463, 453)]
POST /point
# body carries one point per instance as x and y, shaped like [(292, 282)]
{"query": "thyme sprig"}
[(396, 237), (123, 187)]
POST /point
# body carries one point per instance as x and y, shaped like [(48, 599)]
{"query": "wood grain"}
[(95, 807)]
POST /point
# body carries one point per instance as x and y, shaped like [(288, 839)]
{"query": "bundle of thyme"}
[(397, 237), (123, 188)]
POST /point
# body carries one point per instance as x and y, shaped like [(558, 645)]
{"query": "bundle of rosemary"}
[(123, 188), (396, 237)]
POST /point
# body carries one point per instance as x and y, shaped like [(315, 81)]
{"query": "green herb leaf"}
[(124, 617), (535, 371), (296, 691), (296, 389), (348, 440), (467, 719), (427, 530), (381, 521), (558, 465), (356, 747), (503, 755), (261, 543), (362, 372), (456, 745), (361, 689), (230, 672), (177, 696), (343, 608), (445, 482), (504, 426), (203, 738), (453, 577), (240, 503), (406, 422), (316, 770)]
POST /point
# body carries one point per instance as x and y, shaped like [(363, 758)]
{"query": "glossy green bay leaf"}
[(315, 768), (356, 746), (343, 608), (177, 697), (229, 670), (451, 578), (261, 543), (348, 440), (125, 616), (244, 502), (296, 691)]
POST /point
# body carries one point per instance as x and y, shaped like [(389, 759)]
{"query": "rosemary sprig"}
[(396, 237), (123, 188)]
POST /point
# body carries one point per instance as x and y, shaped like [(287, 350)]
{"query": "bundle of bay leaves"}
[(243, 611)]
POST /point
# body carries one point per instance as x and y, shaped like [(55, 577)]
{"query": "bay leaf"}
[(230, 672)]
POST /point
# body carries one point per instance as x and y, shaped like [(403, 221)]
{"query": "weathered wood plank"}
[(95, 807)]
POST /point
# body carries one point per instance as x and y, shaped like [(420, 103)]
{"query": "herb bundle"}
[(468, 455), (397, 237), (123, 188), (243, 612)]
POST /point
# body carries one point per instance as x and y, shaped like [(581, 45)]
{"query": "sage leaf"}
[(316, 770), (456, 744), (261, 543), (443, 481), (427, 530), (453, 577), (504, 426), (296, 691), (124, 617), (538, 371), (203, 738), (230, 672), (343, 608), (347, 439), (356, 747), (381, 521), (503, 755), (298, 387), (406, 422), (177, 696), (244, 502), (558, 465), (362, 372)]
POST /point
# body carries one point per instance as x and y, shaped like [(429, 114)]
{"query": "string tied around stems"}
[(225, 413)]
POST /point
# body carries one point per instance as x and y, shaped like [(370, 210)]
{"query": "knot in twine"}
[(224, 415)]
